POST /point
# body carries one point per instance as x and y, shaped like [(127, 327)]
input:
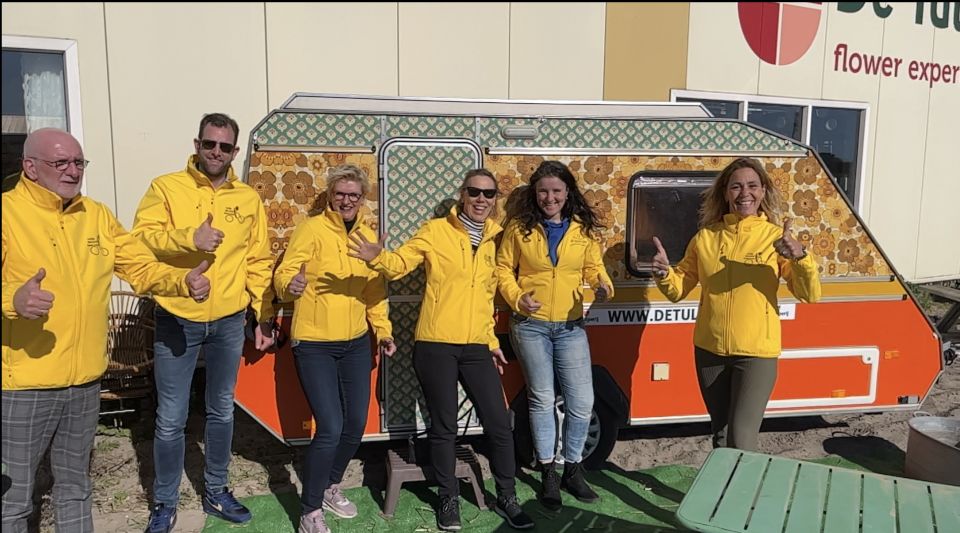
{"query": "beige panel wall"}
[(166, 70), (801, 79), (901, 116), (331, 48), (82, 22), (720, 59), (556, 51), (938, 246), (862, 32), (454, 49), (645, 52)]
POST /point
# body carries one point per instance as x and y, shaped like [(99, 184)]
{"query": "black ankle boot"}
[(550, 487), (448, 515), (574, 483)]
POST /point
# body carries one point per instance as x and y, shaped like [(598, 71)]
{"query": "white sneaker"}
[(338, 504), (313, 522)]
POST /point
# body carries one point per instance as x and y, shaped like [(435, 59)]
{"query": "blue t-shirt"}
[(555, 232)]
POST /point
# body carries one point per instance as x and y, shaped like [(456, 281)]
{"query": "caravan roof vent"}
[(519, 132)]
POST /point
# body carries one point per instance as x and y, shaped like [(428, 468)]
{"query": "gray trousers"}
[(736, 390), (65, 420)]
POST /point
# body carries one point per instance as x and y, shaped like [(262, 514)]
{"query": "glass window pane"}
[(34, 97), (718, 108), (665, 207), (835, 134), (783, 119)]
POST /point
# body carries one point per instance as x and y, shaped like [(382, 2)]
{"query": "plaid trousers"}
[(66, 421)]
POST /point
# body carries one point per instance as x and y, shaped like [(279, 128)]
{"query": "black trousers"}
[(439, 367)]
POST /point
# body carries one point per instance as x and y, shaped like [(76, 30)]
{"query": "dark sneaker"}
[(162, 519), (509, 508), (337, 503), (550, 487), (448, 516), (313, 522), (224, 505), (574, 483)]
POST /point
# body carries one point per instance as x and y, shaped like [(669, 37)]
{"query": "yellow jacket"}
[(241, 268), (342, 293), (457, 306), (524, 265), (740, 272), (81, 248)]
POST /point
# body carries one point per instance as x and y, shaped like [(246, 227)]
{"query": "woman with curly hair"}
[(738, 257), (549, 249)]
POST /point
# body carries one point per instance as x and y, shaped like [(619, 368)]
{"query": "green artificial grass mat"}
[(642, 501)]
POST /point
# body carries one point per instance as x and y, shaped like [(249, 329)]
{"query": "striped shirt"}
[(474, 229)]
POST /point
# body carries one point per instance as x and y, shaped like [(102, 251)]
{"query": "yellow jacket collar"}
[(732, 219), (490, 226), (42, 196), (202, 179), (336, 220)]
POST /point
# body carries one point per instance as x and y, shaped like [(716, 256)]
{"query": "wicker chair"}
[(129, 374)]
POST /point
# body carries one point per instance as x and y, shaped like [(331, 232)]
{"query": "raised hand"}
[(787, 246), (660, 263), (198, 284), (207, 238), (361, 248), (387, 347), (30, 301), (499, 361), (299, 282), (528, 305), (601, 293)]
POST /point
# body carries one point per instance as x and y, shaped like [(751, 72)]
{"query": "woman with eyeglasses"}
[(548, 250), (334, 298), (455, 338)]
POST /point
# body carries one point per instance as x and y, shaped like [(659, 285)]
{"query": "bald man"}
[(60, 252)]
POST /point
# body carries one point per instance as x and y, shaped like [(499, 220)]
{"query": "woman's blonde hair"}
[(347, 172), (715, 204)]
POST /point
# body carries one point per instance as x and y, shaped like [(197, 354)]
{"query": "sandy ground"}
[(123, 470)]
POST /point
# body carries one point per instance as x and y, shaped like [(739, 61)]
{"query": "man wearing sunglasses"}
[(204, 213), (60, 253)]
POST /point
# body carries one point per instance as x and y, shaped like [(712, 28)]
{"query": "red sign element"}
[(779, 32)]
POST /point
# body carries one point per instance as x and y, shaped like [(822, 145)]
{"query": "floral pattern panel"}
[(293, 185), (822, 220)]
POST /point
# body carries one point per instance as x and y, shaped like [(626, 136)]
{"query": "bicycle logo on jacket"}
[(94, 247), (232, 214)]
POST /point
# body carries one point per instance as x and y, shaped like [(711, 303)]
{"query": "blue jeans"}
[(176, 346), (335, 377), (552, 352)]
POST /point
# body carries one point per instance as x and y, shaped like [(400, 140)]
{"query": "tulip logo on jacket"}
[(779, 32)]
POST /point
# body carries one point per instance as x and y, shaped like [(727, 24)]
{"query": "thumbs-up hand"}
[(361, 248), (601, 293), (30, 301), (660, 262), (787, 246), (207, 238), (528, 305), (299, 282), (198, 284)]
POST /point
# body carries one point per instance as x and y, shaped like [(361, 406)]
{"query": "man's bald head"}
[(43, 150)]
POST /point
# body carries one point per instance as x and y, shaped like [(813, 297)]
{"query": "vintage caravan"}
[(866, 346)]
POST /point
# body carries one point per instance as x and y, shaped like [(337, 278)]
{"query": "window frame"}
[(808, 104), (71, 73)]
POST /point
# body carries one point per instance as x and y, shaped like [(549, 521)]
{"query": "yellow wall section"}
[(315, 47), (454, 50), (646, 50)]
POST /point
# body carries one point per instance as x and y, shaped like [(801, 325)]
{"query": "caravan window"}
[(665, 205)]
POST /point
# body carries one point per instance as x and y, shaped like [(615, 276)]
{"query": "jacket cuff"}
[(9, 311)]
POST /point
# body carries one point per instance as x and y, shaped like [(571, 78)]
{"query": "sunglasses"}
[(475, 191), (207, 144)]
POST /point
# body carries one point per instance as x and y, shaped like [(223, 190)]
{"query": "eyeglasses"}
[(208, 144), (63, 164), (352, 196), (475, 191)]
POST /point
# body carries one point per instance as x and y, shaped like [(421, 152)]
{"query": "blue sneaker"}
[(224, 505), (162, 519)]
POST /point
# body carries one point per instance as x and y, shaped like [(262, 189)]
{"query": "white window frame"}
[(71, 71), (808, 104)]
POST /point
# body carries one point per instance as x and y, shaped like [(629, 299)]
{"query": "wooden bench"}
[(400, 469), (737, 491)]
